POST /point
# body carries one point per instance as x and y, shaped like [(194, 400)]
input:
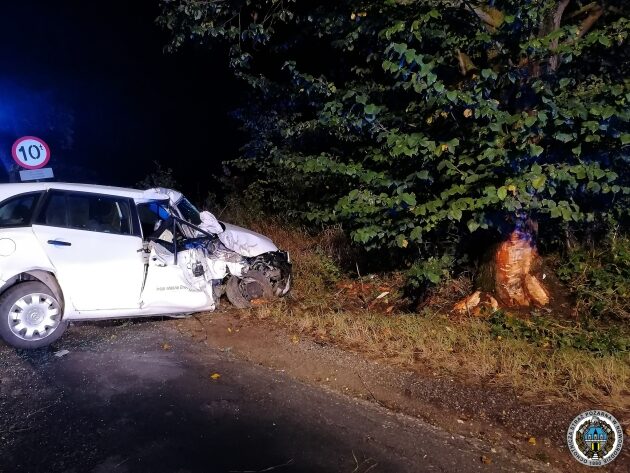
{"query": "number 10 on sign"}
[(30, 152)]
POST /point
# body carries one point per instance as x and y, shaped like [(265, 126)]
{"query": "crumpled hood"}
[(245, 242)]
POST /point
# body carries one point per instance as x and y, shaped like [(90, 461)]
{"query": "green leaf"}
[(535, 150), (604, 40), (472, 225), (485, 73), (415, 234), (455, 214), (530, 120), (401, 241), (538, 183), (452, 144), (408, 199), (502, 192), (564, 137), (625, 138), (371, 109)]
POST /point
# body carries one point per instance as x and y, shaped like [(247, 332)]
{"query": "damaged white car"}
[(85, 252)]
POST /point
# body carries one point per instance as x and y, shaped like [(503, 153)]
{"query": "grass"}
[(343, 309)]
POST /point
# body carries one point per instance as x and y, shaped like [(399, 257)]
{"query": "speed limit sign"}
[(30, 152)]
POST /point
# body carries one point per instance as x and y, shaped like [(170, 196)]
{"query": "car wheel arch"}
[(45, 277)]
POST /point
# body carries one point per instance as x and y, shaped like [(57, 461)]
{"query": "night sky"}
[(91, 78)]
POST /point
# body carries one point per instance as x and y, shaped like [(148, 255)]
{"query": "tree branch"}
[(589, 21), (584, 9), (554, 60)]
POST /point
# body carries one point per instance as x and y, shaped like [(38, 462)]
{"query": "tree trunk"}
[(511, 272)]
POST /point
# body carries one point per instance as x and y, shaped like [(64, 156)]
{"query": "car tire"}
[(30, 316), (236, 289)]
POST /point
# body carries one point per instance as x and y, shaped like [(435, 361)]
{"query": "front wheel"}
[(252, 285), (30, 316)]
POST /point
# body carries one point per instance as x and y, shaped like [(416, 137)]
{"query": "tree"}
[(418, 123), (159, 177)]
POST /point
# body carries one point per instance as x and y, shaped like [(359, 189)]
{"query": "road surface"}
[(140, 397)]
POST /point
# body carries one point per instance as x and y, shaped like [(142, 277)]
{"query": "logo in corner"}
[(595, 438)]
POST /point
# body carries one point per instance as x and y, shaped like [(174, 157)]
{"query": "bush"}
[(548, 333), (599, 277)]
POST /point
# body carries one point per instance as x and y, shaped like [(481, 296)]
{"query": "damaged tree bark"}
[(514, 283), (507, 277)]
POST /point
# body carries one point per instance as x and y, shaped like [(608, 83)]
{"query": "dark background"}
[(92, 79)]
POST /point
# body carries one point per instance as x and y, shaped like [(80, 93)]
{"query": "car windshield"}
[(189, 211)]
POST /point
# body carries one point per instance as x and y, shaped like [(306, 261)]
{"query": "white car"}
[(86, 252)]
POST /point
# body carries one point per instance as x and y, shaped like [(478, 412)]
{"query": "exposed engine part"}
[(275, 266), (218, 289), (198, 270), (218, 251)]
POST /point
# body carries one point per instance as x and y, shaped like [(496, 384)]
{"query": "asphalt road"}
[(141, 398)]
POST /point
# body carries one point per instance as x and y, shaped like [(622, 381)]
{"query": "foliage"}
[(416, 123), (159, 177), (431, 270), (599, 277), (548, 333)]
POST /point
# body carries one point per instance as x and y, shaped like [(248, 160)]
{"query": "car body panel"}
[(168, 288), (100, 270), (245, 242), (27, 255)]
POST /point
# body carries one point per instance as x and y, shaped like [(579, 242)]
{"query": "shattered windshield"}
[(188, 211)]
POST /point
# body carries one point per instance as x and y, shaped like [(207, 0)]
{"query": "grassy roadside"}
[(335, 308)]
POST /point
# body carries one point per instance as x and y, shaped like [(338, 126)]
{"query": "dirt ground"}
[(533, 428)]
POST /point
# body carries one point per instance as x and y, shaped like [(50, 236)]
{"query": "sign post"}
[(32, 154)]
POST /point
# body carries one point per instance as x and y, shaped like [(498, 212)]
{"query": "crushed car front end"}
[(243, 264)]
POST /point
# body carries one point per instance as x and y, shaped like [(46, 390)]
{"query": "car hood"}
[(245, 242)]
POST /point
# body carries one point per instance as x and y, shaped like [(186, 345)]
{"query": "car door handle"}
[(59, 243)]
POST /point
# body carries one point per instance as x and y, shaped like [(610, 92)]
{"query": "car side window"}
[(54, 212), (17, 211), (152, 216), (87, 212)]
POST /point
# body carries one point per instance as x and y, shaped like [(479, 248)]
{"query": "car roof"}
[(8, 190)]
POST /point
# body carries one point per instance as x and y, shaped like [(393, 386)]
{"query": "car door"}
[(176, 273), (95, 248)]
